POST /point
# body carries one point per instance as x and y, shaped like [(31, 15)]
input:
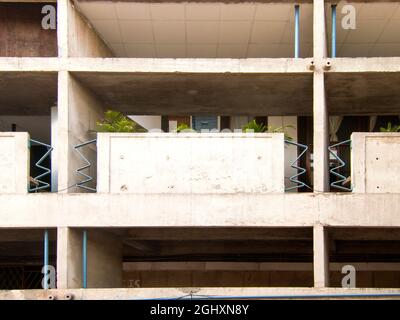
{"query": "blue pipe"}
[(333, 31), (84, 259), (46, 259), (296, 31), (294, 296)]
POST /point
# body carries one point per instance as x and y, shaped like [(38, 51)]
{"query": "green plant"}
[(115, 121), (183, 127), (253, 126), (390, 128)]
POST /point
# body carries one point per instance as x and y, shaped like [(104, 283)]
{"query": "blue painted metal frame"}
[(338, 184), (87, 178), (301, 170), (46, 259), (84, 259), (333, 53), (297, 31), (38, 164)]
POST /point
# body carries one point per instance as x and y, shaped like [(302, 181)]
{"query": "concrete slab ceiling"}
[(215, 29), (363, 93), (188, 94), (27, 93)]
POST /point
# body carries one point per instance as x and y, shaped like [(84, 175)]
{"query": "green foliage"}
[(115, 121), (183, 127), (390, 128), (253, 126)]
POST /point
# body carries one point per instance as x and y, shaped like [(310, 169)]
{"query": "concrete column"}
[(321, 257), (62, 149), (320, 109), (62, 28), (78, 111), (69, 258), (104, 259)]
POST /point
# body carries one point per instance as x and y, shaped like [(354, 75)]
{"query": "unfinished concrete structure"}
[(211, 214)]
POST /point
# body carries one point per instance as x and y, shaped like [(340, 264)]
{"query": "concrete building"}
[(166, 214)]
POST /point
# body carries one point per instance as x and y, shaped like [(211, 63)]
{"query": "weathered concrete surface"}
[(222, 210), (83, 41), (27, 93), (104, 259), (180, 163), (14, 162), (363, 93), (375, 162), (202, 93), (261, 293)]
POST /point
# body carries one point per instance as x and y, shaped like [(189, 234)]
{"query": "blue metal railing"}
[(87, 178), (46, 171), (338, 184), (294, 165)]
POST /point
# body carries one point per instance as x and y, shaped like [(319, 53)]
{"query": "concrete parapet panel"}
[(14, 162), (375, 160), (190, 163)]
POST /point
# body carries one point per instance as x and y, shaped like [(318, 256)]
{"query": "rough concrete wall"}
[(14, 162), (148, 279), (290, 150), (104, 260), (21, 32), (375, 162), (84, 109), (162, 279), (83, 41), (190, 163)]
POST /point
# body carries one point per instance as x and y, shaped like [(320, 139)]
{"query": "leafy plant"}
[(183, 127), (115, 121), (253, 126), (390, 128)]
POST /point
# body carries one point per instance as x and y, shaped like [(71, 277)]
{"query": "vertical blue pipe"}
[(334, 31), (296, 31), (46, 259), (84, 259)]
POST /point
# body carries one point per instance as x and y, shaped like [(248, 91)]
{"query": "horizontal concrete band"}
[(191, 210), (154, 293), (189, 65)]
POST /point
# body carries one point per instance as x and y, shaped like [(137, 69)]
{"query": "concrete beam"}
[(152, 293), (364, 65), (163, 210), (189, 65)]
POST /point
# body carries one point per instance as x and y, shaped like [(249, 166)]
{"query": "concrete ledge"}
[(213, 293), (189, 65), (348, 65), (29, 64), (217, 210)]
